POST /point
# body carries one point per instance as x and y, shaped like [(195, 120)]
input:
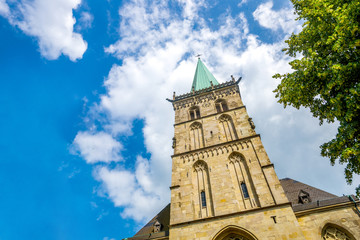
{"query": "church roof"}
[(293, 188), (147, 232), (203, 77)]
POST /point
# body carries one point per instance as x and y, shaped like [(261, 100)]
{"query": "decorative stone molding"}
[(332, 232), (200, 166), (204, 99), (225, 118), (215, 151), (236, 158), (195, 125)]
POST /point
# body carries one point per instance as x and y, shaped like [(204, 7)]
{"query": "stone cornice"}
[(210, 115), (209, 89), (205, 95), (230, 214), (324, 208), (217, 149)]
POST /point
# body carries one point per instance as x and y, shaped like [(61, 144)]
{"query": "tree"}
[(325, 78)]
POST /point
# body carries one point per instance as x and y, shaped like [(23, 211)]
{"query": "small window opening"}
[(244, 190), (203, 199), (304, 197), (218, 108), (197, 111), (224, 106), (221, 106), (194, 113)]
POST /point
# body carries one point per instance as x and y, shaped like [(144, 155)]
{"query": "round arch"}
[(234, 232)]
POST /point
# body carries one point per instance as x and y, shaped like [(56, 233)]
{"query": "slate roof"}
[(146, 232), (291, 187), (203, 77)]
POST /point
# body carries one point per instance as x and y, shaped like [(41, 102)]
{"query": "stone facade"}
[(224, 185), (235, 174)]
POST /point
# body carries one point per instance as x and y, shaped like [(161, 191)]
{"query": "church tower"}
[(224, 186), (221, 174)]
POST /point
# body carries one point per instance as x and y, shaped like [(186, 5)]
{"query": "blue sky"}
[(85, 129)]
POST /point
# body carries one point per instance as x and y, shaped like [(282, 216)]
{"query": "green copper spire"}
[(202, 78)]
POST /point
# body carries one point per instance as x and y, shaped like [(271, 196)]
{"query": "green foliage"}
[(326, 78)]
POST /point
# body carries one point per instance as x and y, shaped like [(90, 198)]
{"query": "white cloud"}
[(134, 192), (190, 8), (51, 22), (4, 8), (158, 57), (242, 2), (85, 20), (97, 147), (283, 19)]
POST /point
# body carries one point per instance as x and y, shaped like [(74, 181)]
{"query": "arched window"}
[(331, 231), (203, 200), (233, 232), (235, 236), (196, 135), (228, 127), (245, 190), (194, 113), (221, 105)]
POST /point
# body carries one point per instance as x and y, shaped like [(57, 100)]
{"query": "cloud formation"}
[(4, 8), (51, 23), (97, 147), (135, 192), (283, 19), (157, 46)]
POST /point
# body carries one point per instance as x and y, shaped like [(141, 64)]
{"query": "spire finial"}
[(198, 56)]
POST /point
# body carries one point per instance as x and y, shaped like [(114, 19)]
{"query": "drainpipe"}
[(352, 199)]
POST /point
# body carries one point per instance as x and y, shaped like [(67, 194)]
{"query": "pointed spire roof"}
[(203, 77)]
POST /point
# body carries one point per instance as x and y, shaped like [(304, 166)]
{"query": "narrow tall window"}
[(218, 108), (244, 190), (194, 113), (221, 106), (242, 178), (196, 135), (228, 127), (192, 116), (203, 199)]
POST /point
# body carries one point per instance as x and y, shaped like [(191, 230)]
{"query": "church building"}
[(224, 185)]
